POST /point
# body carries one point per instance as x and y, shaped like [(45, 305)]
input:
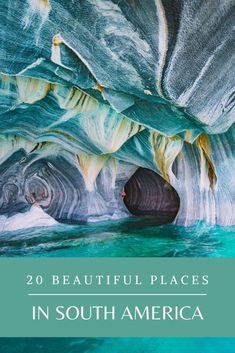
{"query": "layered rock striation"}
[(95, 93)]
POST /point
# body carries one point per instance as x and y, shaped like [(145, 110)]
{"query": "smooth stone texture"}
[(36, 217), (116, 86), (147, 194)]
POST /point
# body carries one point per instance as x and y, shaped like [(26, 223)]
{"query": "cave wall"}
[(147, 194), (91, 91)]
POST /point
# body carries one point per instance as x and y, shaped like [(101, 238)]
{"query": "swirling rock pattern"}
[(91, 91), (148, 194), (59, 188)]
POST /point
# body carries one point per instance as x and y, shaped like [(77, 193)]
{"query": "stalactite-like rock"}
[(91, 91)]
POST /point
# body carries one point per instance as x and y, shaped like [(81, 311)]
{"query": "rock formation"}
[(92, 92)]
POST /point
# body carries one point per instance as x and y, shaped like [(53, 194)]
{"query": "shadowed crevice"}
[(148, 194)]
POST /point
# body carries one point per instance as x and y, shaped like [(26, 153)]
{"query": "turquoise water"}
[(117, 345), (130, 237)]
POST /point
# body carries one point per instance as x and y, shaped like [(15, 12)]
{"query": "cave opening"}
[(147, 194)]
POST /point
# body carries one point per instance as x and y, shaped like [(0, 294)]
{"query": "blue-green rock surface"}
[(92, 90)]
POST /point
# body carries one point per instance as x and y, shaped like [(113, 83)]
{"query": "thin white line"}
[(115, 294)]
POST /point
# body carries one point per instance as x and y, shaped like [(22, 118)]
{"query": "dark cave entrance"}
[(148, 194)]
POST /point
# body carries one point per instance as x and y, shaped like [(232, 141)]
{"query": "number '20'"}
[(31, 280)]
